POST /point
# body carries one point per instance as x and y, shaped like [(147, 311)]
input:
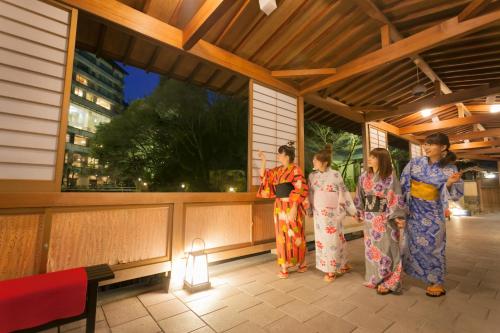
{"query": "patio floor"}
[(248, 297)]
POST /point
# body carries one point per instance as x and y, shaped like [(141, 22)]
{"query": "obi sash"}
[(325, 199), (283, 190), (375, 204), (424, 191)]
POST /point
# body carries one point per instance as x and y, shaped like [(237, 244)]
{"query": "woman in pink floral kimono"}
[(381, 207), (329, 202)]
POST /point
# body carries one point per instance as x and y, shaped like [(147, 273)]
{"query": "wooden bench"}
[(95, 274)]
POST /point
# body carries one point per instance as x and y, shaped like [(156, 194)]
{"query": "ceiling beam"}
[(204, 19), (434, 102), (472, 9), (406, 47), (160, 32), (303, 72), (477, 157), (475, 145), (450, 123), (495, 132), (483, 151), (479, 108), (343, 111)]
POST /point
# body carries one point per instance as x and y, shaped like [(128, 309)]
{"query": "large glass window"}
[(82, 79), (85, 119), (104, 103)]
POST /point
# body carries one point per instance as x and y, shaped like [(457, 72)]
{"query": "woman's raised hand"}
[(400, 222), (453, 179), (261, 155)]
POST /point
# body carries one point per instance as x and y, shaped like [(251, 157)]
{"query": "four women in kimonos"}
[(381, 207), (428, 183), (329, 201), (287, 184)]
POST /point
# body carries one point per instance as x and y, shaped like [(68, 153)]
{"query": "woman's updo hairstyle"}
[(325, 155), (288, 150)]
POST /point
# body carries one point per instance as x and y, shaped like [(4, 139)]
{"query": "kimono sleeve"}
[(346, 199), (300, 188), (311, 193), (395, 200), (266, 188), (456, 191), (406, 181), (359, 199)]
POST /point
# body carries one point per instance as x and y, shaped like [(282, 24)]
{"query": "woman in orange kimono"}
[(288, 185)]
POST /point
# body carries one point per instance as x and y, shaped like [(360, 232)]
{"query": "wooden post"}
[(365, 137), (300, 132), (250, 136)]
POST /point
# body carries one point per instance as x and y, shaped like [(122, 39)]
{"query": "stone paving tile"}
[(285, 285), (155, 297), (307, 295), (334, 306), (224, 319), (181, 323), (300, 310), (206, 305), (467, 323), (262, 314), (289, 325), (241, 302), (143, 325), (431, 310), (401, 317), (247, 327), (368, 299), (224, 291), (204, 329), (398, 328), (123, 311), (255, 288), (325, 323), (276, 298), (167, 309), (75, 324), (100, 327), (369, 321)]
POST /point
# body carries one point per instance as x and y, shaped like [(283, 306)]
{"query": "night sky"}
[(138, 83)]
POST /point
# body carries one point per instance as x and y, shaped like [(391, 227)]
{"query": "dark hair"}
[(443, 140), (325, 155), (384, 162), (288, 150)]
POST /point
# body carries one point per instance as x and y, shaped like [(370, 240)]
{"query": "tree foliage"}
[(178, 134)]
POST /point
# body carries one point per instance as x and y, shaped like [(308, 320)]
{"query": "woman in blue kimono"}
[(427, 184)]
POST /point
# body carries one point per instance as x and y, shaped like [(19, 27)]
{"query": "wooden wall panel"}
[(113, 236), (263, 222), (219, 225), (20, 241)]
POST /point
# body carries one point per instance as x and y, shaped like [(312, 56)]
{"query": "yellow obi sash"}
[(424, 191)]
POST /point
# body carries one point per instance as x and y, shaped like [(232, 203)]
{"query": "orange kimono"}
[(290, 235)]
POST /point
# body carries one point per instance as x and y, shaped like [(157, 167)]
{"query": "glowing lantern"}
[(196, 277)]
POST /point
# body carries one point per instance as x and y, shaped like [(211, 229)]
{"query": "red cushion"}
[(35, 300)]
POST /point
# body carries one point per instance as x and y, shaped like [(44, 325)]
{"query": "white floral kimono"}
[(329, 200)]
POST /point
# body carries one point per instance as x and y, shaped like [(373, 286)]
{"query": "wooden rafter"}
[(232, 22), (479, 108), (477, 157), (434, 102), (495, 132), (203, 20), (449, 123), (163, 33), (406, 47), (327, 105), (303, 72), (472, 9), (475, 145), (483, 151)]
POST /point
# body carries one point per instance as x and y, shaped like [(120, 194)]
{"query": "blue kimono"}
[(425, 191)]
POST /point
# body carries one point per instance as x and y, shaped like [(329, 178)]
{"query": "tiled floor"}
[(248, 297)]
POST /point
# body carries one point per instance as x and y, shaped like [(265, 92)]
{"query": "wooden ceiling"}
[(319, 34)]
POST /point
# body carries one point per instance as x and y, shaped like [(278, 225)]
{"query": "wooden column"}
[(300, 132), (365, 137)]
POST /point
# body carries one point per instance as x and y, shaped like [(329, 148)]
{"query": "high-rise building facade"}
[(96, 97)]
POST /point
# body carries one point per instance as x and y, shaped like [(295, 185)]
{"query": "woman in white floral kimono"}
[(329, 200)]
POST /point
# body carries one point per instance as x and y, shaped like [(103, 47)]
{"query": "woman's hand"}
[(453, 179), (292, 215), (400, 222), (358, 219), (261, 155)]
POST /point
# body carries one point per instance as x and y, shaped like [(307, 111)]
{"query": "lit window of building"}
[(90, 97), (80, 140), (82, 79), (104, 103), (79, 91)]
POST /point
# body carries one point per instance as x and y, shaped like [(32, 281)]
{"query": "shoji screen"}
[(415, 150), (273, 123), (377, 137), (35, 54)]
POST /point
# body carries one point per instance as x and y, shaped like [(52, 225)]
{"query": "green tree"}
[(177, 135)]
